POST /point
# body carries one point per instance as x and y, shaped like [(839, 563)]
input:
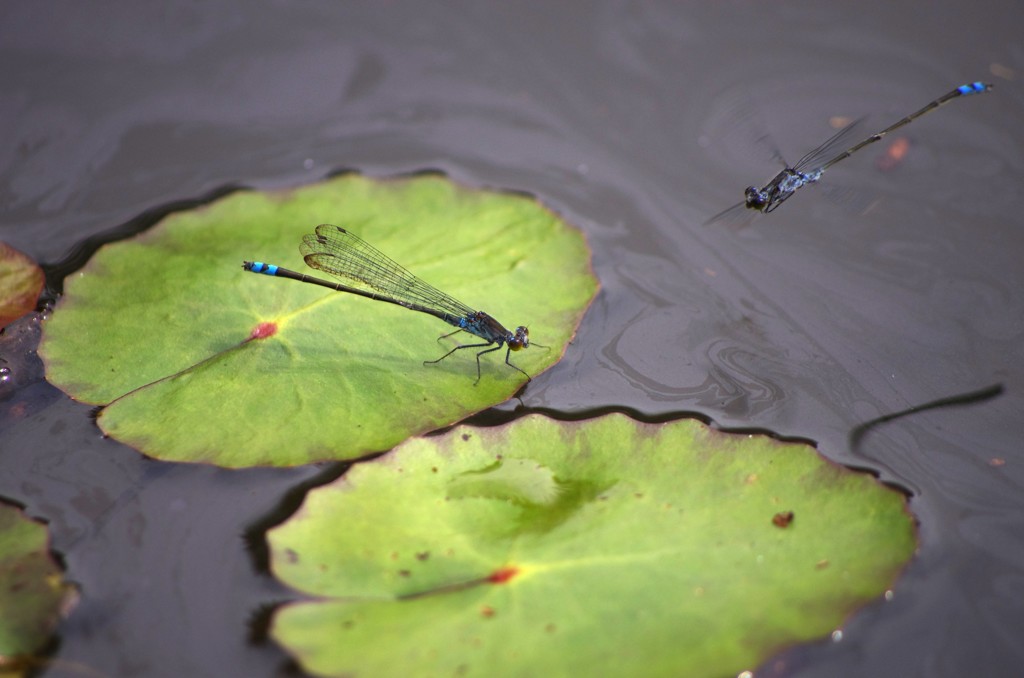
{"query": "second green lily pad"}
[(604, 547), (197, 360)]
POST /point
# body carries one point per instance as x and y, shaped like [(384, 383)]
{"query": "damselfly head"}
[(756, 199), (521, 339)]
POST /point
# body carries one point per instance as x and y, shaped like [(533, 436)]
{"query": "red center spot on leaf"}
[(263, 330), (503, 575)]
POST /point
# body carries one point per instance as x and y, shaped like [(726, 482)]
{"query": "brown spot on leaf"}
[(782, 519)]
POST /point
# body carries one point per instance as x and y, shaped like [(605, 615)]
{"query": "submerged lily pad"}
[(197, 360), (604, 547), (32, 592), (21, 281)]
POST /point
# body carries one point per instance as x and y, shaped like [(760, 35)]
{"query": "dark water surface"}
[(636, 121)]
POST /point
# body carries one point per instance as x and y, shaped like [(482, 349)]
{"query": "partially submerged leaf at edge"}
[(21, 281), (33, 594)]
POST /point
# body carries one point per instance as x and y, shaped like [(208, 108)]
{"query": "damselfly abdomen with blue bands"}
[(342, 254), (810, 167)]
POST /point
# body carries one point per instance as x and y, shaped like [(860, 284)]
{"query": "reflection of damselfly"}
[(810, 167), (347, 257)]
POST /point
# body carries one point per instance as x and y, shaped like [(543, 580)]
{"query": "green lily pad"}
[(603, 547), (198, 360), (21, 281), (33, 595)]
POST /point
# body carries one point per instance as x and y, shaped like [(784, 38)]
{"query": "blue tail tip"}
[(975, 88), (259, 267)]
